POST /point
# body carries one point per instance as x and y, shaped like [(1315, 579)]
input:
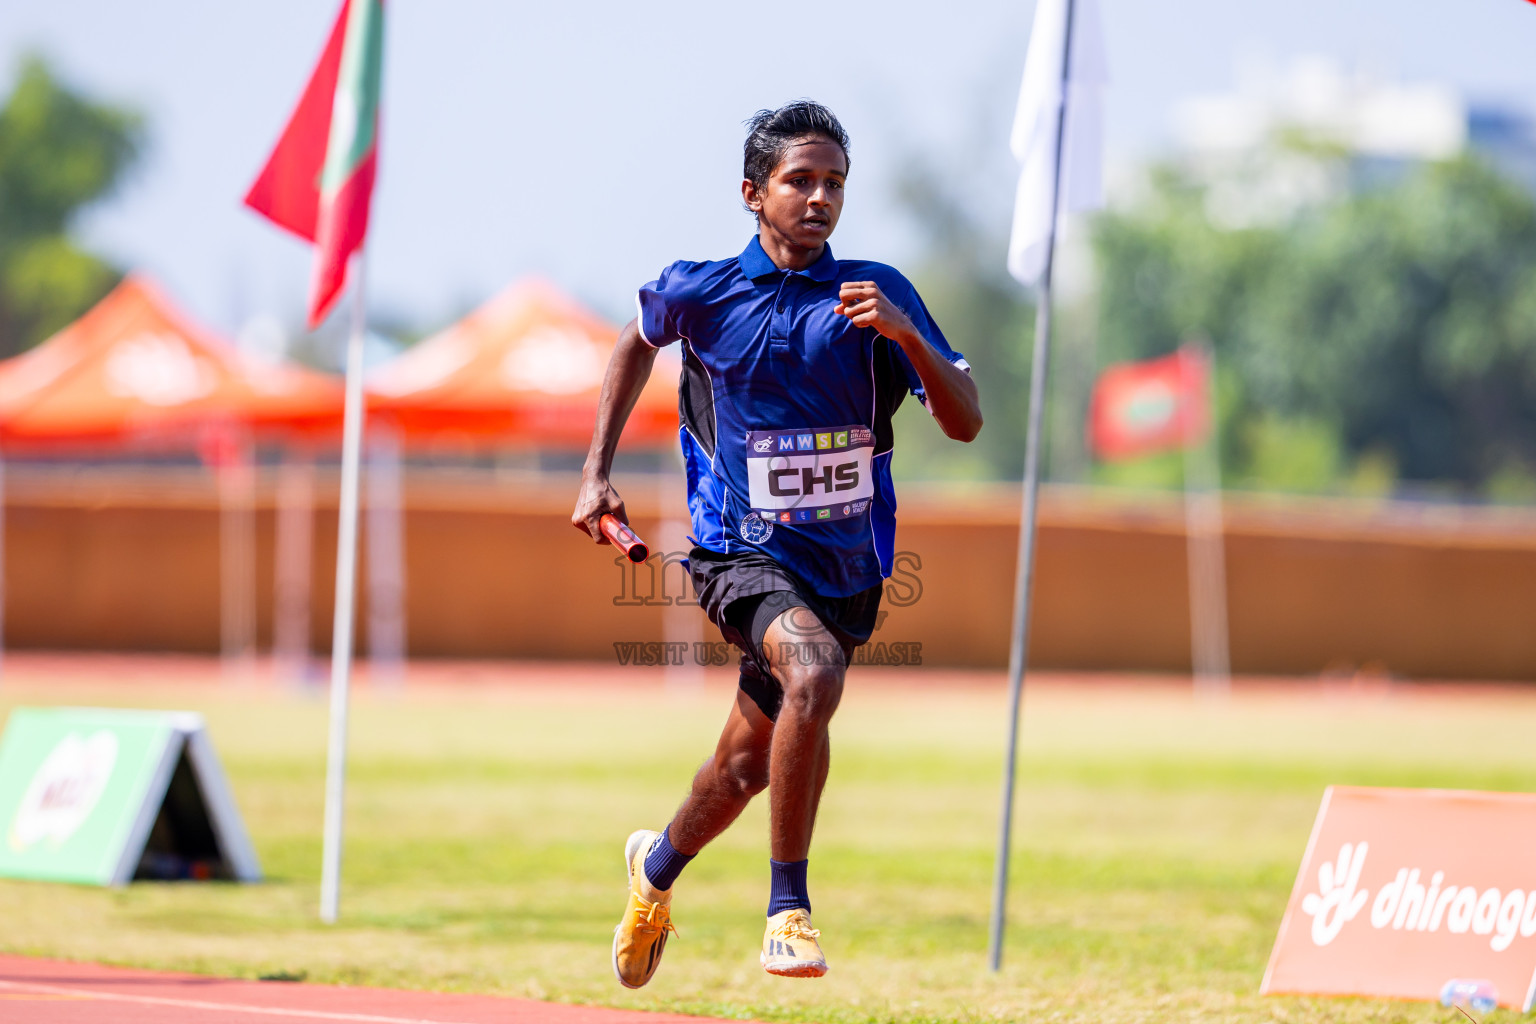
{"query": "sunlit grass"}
[(1157, 840)]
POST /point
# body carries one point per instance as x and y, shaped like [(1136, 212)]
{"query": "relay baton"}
[(622, 537)]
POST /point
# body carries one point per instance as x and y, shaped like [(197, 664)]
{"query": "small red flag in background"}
[(1151, 406), (318, 182)]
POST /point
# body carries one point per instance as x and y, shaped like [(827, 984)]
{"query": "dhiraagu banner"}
[(79, 790), (1414, 894)]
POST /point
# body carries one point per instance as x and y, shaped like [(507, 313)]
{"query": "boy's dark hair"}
[(771, 132)]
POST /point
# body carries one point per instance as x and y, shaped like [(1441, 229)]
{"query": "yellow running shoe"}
[(789, 946), (642, 934)]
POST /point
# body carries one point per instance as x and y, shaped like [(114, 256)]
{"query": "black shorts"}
[(743, 594)]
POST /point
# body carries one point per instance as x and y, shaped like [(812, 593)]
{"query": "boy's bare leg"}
[(808, 663), (736, 772), (790, 756)]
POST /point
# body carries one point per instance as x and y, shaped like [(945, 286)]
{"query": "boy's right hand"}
[(597, 497)]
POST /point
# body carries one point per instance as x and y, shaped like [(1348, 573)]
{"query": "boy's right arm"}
[(628, 370)]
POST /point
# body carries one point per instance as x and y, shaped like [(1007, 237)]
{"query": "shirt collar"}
[(755, 263)]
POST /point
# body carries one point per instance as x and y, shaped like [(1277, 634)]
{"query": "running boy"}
[(793, 364)]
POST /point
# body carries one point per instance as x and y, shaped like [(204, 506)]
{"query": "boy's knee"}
[(813, 690)]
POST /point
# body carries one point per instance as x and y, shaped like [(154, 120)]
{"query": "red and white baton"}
[(622, 537)]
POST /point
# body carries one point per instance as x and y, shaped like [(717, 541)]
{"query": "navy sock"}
[(663, 864), (788, 891)]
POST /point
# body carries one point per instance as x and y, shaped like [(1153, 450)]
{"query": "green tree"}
[(59, 152), (1408, 317), (1391, 330)]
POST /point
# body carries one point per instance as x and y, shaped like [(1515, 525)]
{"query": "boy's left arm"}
[(951, 393)]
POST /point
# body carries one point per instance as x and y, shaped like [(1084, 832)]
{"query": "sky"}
[(594, 143)]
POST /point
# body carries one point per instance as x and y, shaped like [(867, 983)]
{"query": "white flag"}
[(1034, 129)]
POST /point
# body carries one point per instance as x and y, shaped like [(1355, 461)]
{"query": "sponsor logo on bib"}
[(810, 476)]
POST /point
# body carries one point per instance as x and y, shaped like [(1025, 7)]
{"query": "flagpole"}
[(346, 587), (1204, 542), (1018, 651)]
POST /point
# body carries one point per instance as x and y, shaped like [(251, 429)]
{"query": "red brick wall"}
[(111, 560)]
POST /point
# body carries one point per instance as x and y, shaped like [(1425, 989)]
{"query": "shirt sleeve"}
[(912, 304), (660, 304)]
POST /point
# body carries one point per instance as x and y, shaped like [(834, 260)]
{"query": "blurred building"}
[(1293, 136), (1506, 137)]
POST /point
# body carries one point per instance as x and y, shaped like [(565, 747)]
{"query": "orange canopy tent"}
[(525, 367), (134, 372), (135, 369)]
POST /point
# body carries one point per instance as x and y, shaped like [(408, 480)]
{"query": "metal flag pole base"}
[(346, 586)]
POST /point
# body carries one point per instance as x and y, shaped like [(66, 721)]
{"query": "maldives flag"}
[(318, 181), (1151, 406)]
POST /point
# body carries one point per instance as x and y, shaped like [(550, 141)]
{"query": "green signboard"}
[(105, 796)]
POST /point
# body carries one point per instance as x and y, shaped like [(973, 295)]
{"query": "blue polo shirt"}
[(786, 410)]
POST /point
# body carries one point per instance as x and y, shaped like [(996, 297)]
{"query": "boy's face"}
[(804, 195)]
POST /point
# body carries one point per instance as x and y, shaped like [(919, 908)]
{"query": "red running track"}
[(57, 992)]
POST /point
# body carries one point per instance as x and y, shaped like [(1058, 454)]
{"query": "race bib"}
[(811, 475)]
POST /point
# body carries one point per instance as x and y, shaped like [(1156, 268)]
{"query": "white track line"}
[(197, 1004)]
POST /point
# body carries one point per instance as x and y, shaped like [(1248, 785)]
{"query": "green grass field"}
[(1157, 841)]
